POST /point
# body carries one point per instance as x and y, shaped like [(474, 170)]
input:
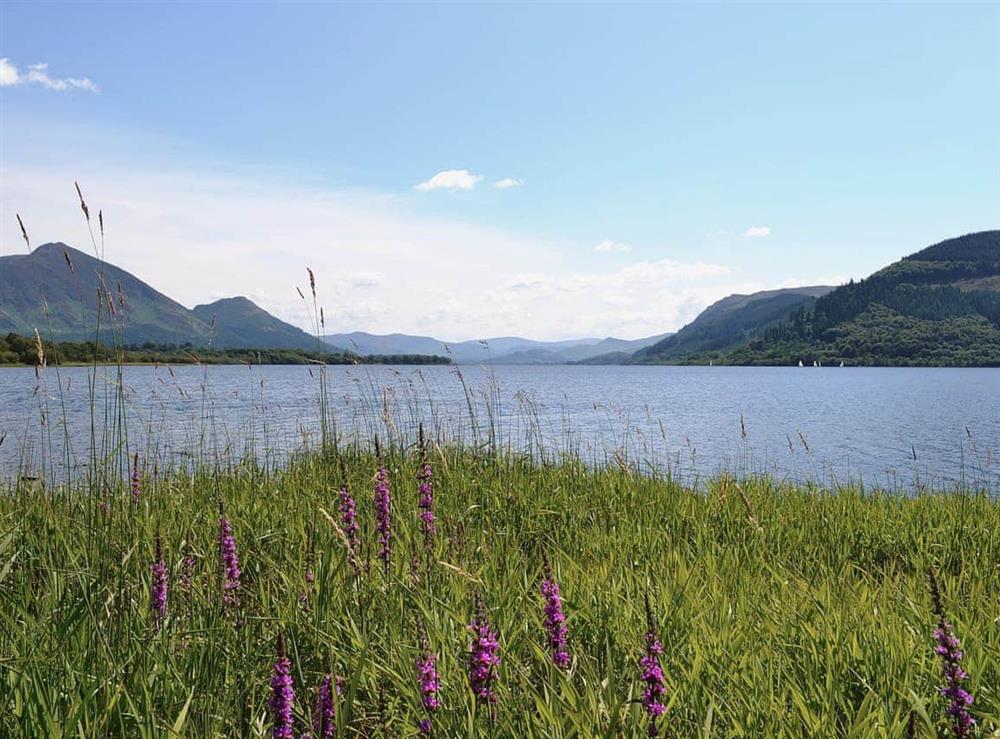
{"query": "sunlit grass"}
[(783, 611)]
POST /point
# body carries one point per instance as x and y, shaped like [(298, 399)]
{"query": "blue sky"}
[(661, 155)]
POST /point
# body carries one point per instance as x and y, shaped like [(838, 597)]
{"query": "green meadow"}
[(783, 611)]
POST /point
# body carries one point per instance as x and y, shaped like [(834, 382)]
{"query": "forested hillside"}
[(940, 306)]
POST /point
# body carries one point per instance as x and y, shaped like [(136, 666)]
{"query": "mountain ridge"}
[(55, 289)]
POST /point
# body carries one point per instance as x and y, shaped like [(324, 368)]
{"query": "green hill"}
[(730, 322), (938, 307), (56, 289), (239, 323)]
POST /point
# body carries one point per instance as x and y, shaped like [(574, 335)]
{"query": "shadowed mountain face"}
[(57, 289), (499, 350), (731, 321)]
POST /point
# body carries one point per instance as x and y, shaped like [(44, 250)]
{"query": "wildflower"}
[(158, 588), (429, 687), (426, 491), (484, 657), (282, 694), (324, 713), (950, 651), (555, 621), (136, 480), (349, 516), (652, 673), (230, 561), (383, 513)]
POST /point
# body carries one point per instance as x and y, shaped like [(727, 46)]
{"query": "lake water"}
[(896, 428)]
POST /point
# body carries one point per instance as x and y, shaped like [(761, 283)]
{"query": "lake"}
[(898, 428)]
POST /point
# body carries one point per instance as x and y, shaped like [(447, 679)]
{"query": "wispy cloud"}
[(507, 183), (38, 74), (607, 246), (757, 232), (451, 179)]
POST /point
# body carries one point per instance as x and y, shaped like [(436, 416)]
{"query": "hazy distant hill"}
[(730, 322), (939, 306), (55, 289), (500, 350)]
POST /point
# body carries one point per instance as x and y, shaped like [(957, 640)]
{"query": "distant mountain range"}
[(939, 306), (55, 288), (498, 350)]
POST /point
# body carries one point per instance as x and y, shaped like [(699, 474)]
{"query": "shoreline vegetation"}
[(16, 350), (240, 600), (367, 589)]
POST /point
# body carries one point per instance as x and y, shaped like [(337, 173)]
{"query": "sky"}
[(474, 170)]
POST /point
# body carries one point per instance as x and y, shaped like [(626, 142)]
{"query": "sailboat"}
[(815, 363), (800, 363), (841, 364)]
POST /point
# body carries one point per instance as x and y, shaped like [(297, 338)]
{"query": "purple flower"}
[(950, 650), (136, 480), (555, 621), (158, 587), (425, 489), (654, 687), (230, 561), (349, 518), (383, 514), (282, 694), (426, 502), (484, 657), (429, 687), (324, 714)]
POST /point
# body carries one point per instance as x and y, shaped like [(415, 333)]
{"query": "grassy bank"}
[(783, 612)]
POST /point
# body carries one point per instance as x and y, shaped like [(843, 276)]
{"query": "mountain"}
[(498, 350), (730, 322), (55, 289), (937, 307), (241, 324)]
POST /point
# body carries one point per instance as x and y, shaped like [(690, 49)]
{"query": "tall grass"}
[(812, 618), (783, 611)]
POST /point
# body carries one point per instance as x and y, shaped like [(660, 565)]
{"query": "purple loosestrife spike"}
[(484, 657), (555, 621), (282, 694), (383, 513), (230, 561), (136, 480), (158, 588), (426, 492), (950, 650), (349, 517), (652, 674), (324, 714), (430, 686)]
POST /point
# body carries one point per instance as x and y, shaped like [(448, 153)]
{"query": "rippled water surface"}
[(895, 427)]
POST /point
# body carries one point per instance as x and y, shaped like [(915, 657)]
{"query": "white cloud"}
[(757, 232), (381, 265), (508, 182), (607, 246), (451, 179), (38, 74)]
